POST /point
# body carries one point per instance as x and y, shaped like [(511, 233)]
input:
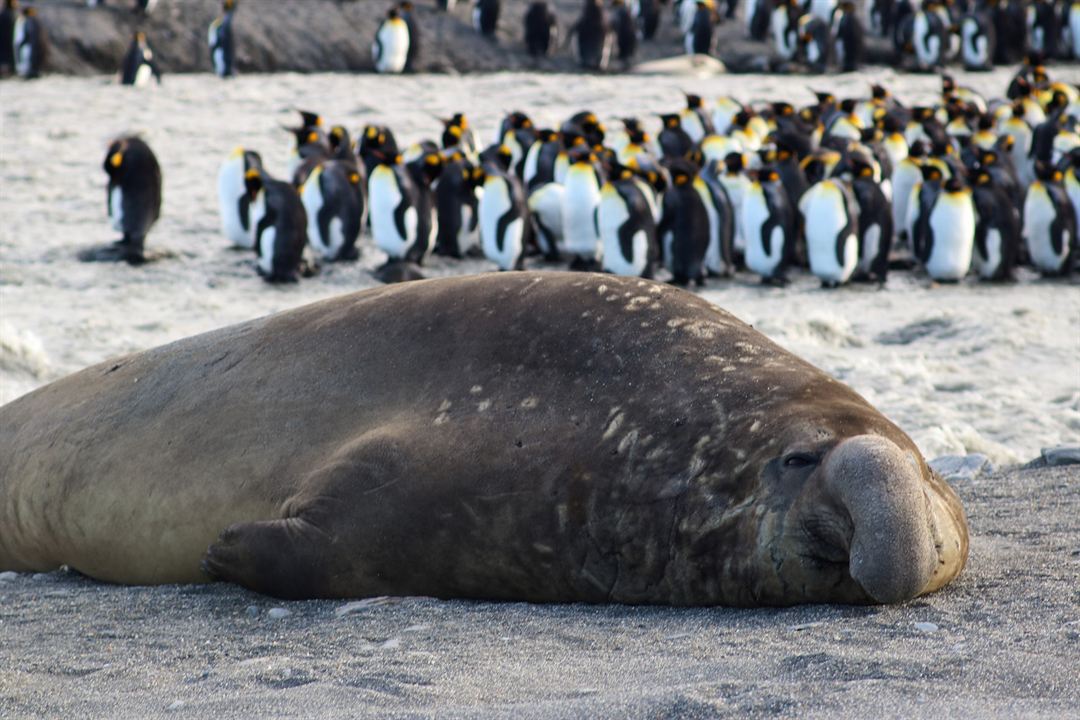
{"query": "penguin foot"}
[(775, 281), (118, 252), (395, 271), (580, 264)]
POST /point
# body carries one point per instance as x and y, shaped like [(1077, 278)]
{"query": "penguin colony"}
[(805, 35), (844, 188)]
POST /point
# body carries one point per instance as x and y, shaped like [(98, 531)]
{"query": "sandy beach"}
[(968, 368)]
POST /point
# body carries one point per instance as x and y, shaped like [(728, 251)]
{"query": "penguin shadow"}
[(120, 252)]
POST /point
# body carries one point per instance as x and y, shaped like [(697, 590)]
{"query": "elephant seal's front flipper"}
[(285, 558)]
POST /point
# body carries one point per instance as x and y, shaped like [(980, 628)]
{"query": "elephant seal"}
[(512, 436)]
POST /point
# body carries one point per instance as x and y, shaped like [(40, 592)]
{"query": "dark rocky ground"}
[(336, 35), (1002, 641)]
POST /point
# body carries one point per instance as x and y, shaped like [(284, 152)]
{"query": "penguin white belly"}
[(783, 37), (813, 53), (714, 259), (650, 198), (1039, 216), (823, 9), (580, 200), (22, 63), (1074, 31), (871, 246), (1072, 189), (143, 75), (477, 17), (532, 163), (691, 125), (987, 266), (611, 216), (927, 49), (466, 237), (230, 191), (972, 47), (755, 215), (952, 222), (384, 196), (266, 250), (219, 61), (546, 205), (912, 215), (116, 208), (392, 47), (312, 198), (494, 205), (687, 10), (722, 117), (736, 188), (824, 210)]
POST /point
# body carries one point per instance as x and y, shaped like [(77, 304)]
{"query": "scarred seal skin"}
[(543, 437)]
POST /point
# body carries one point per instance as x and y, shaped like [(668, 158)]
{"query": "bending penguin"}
[(220, 40), (280, 227), (390, 51), (134, 198), (138, 65), (234, 201)]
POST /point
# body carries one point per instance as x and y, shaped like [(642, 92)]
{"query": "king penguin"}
[(997, 229), (8, 17), (485, 16), (456, 206), (541, 29), (978, 40), (29, 44), (333, 197), (138, 65), (581, 197), (390, 51), (401, 207), (594, 37), (234, 202), (831, 220), (504, 215), (220, 40), (1049, 223), (875, 227), (627, 227), (944, 229), (280, 227), (684, 226), (769, 227), (133, 195)]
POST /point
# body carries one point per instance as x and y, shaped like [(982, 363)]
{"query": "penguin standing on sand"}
[(546, 210), (699, 38), (234, 201), (831, 220), (541, 29), (647, 17), (220, 39), (401, 206), (29, 44), (815, 43), (407, 13), (684, 226), (456, 206), (626, 31), (1043, 28), (978, 41), (594, 36), (7, 36), (627, 226), (674, 141), (138, 65), (580, 200), (485, 16), (504, 215), (997, 229), (720, 255), (849, 34), (1049, 223), (769, 226), (390, 51), (280, 227), (875, 227), (133, 195), (944, 230), (333, 197), (929, 39)]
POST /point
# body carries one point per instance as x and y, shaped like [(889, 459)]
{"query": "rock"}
[(278, 613), (1061, 455), (361, 605), (8, 576), (961, 467), (926, 627)]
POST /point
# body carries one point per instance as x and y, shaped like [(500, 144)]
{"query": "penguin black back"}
[(134, 192), (541, 27), (593, 33)]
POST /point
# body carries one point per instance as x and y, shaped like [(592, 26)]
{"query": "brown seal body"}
[(526, 436)]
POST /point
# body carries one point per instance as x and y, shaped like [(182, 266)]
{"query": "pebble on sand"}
[(278, 613), (926, 627)]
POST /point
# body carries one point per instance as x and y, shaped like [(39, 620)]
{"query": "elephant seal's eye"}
[(800, 460)]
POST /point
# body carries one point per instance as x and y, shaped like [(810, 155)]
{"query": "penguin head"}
[(768, 175), (932, 173), (253, 183), (782, 109), (682, 172), (228, 5), (734, 162), (405, 6), (693, 102), (954, 184), (114, 158), (393, 14), (948, 84), (983, 178), (879, 92), (339, 139), (1047, 173), (670, 120), (310, 119), (917, 150)]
